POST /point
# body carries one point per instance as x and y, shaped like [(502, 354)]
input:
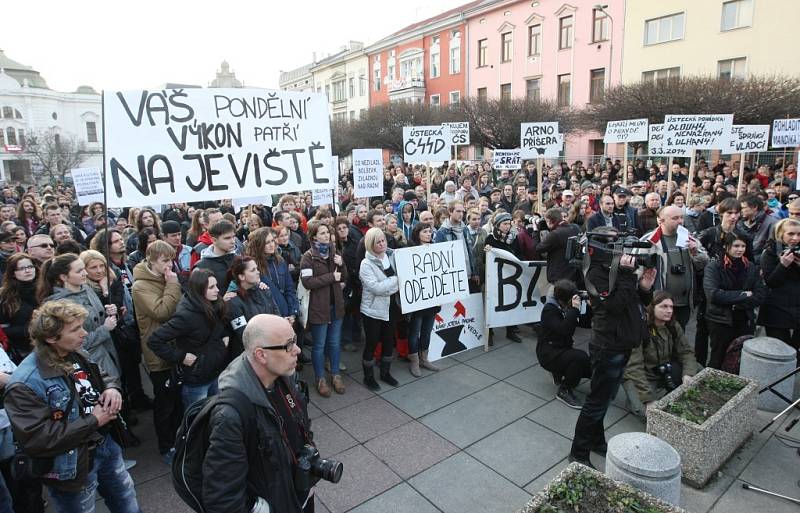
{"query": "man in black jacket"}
[(233, 480), (219, 256), (554, 244), (618, 325)]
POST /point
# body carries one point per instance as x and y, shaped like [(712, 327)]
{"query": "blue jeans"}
[(419, 332), (326, 339), (107, 476), (190, 394), (607, 370)]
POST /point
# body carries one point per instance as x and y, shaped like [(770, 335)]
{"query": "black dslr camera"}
[(311, 468), (665, 371), (795, 250)]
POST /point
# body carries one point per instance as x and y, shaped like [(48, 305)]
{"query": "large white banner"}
[(540, 140), (746, 138), (656, 145), (515, 290), (88, 183), (431, 275), (786, 133), (459, 132), (506, 159), (698, 131), (178, 145), (457, 327), (427, 143), (625, 131), (367, 173)]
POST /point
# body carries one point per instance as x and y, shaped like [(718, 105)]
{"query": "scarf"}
[(323, 249), (736, 269)]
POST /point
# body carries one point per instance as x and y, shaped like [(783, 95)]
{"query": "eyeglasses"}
[(286, 347), (24, 268), (44, 245)]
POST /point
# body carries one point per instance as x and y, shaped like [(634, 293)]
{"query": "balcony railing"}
[(405, 83)]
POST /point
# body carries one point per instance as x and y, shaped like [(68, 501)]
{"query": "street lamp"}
[(602, 8)]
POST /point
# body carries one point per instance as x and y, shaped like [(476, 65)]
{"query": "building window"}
[(732, 68), (377, 79), (455, 97), (600, 26), (565, 33), (661, 30), (483, 46), (534, 40), (506, 47), (328, 92), (661, 75), (434, 40), (362, 84), (11, 137), (339, 91), (8, 113), (533, 89), (597, 81), (505, 92), (455, 55), (482, 94), (91, 131), (351, 82), (564, 90), (362, 113), (435, 60), (435, 100), (2, 137), (737, 14), (352, 115)]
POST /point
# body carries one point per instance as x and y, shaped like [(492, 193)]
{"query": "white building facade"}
[(342, 77), (28, 106)]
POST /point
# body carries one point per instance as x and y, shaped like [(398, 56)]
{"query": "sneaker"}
[(129, 464), (568, 397), (574, 459)]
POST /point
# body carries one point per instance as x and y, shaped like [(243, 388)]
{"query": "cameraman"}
[(560, 317), (233, 480), (618, 326), (663, 361)]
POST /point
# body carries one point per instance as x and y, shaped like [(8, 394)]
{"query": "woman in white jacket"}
[(379, 310)]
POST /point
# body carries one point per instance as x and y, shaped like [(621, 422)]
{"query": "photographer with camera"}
[(553, 243), (733, 288), (618, 301), (278, 477), (680, 256), (560, 317), (780, 265), (663, 361)]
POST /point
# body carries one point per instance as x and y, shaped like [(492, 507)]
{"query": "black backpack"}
[(191, 442)]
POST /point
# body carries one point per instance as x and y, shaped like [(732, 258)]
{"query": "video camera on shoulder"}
[(602, 246)]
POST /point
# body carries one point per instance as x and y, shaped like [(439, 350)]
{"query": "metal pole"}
[(105, 192), (767, 492)]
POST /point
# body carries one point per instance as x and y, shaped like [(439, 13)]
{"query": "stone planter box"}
[(705, 447), (645, 500)]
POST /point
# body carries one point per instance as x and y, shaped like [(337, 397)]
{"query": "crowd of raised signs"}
[(174, 286)]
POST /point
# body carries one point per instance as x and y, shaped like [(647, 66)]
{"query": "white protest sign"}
[(321, 197), (515, 290), (88, 183), (540, 140), (625, 131), (239, 203), (431, 275), (457, 327), (746, 138), (656, 146), (367, 173), (426, 143), (698, 131), (506, 159), (177, 145), (786, 133), (459, 132)]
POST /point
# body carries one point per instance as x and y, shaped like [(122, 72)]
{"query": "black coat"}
[(781, 307), (555, 331), (618, 317), (218, 265), (723, 295), (554, 244), (192, 333), (16, 326), (244, 307)]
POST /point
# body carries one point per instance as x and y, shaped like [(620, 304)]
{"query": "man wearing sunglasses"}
[(41, 248), (234, 480)]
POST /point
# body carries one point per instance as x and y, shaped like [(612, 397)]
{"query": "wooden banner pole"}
[(539, 191), (625, 168), (741, 175), (428, 198), (691, 175), (669, 181)]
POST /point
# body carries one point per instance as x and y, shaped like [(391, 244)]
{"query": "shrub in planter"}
[(580, 489), (705, 420)]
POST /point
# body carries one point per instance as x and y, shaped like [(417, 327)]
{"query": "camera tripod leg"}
[(767, 492)]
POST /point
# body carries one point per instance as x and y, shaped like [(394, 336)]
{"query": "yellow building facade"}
[(724, 38)]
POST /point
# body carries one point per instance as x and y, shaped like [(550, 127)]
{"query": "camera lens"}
[(329, 470)]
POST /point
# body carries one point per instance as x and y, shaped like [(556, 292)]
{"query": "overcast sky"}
[(146, 43)]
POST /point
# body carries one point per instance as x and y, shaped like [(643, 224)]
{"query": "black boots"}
[(386, 363), (369, 375)]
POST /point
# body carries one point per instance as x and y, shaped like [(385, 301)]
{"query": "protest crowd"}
[(90, 294)]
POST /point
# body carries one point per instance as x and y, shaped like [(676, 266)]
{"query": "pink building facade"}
[(566, 52)]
